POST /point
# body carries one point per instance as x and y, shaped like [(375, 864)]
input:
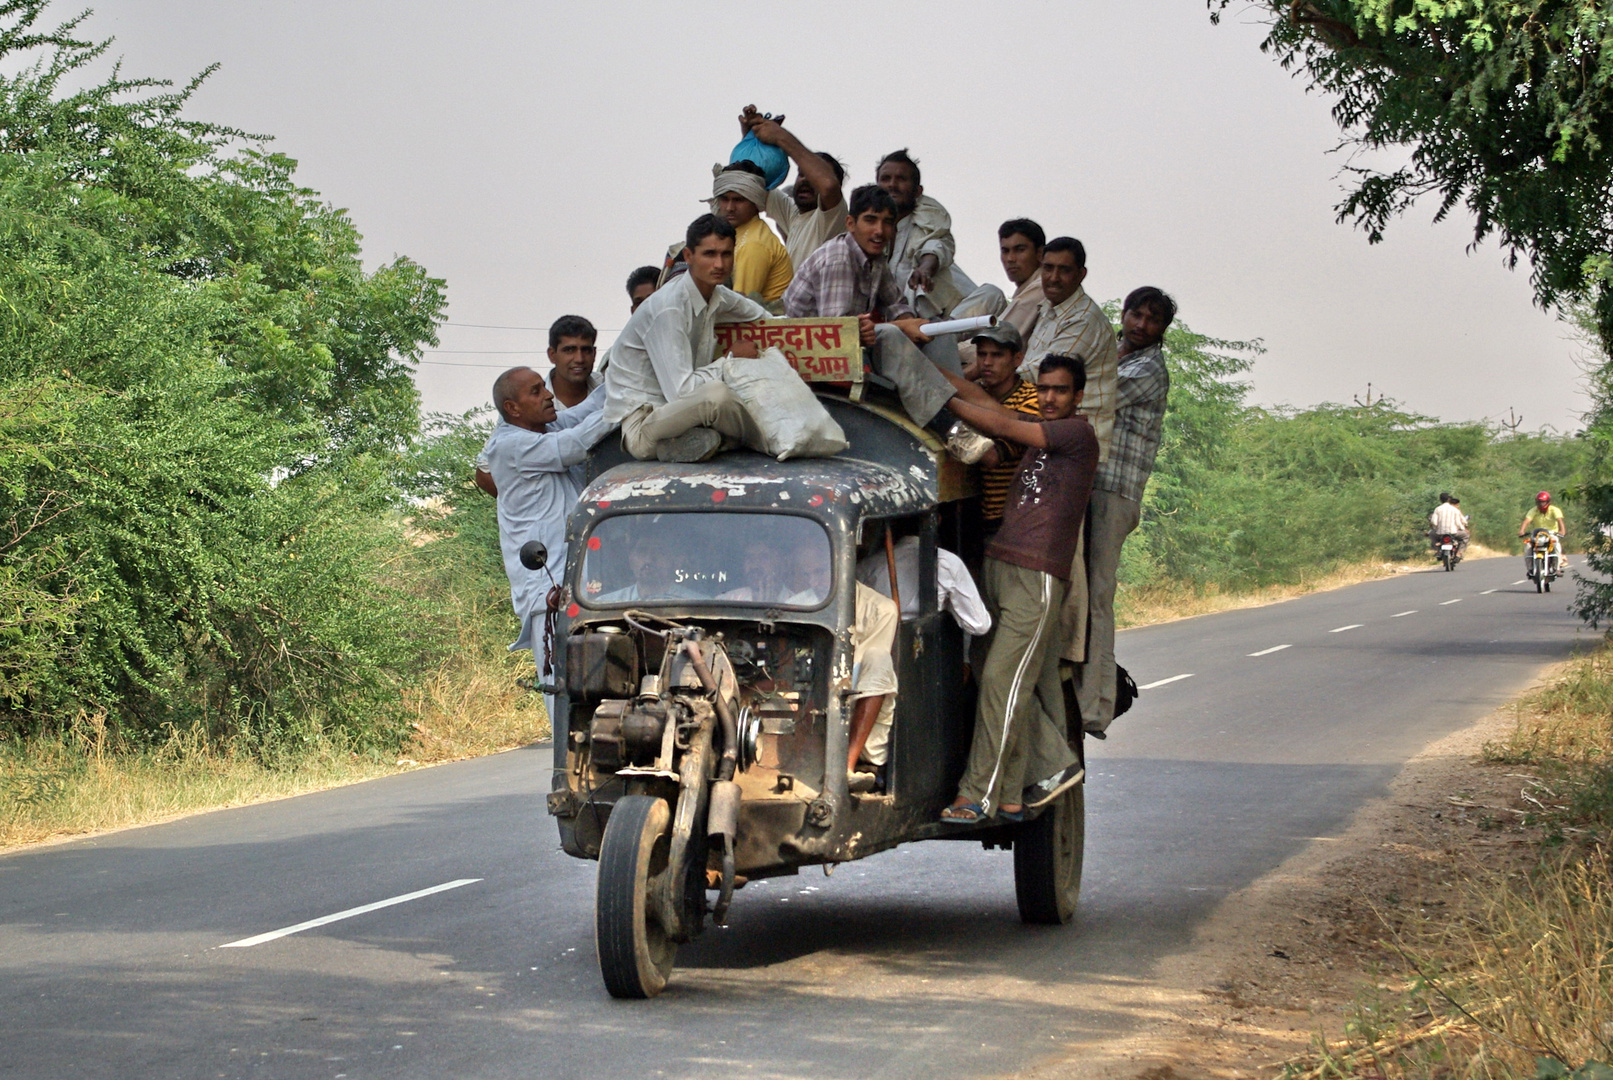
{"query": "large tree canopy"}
[(1506, 109), (202, 397)]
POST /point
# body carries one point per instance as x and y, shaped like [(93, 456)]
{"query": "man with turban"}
[(761, 263)]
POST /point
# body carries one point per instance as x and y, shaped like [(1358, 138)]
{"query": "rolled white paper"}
[(957, 326)]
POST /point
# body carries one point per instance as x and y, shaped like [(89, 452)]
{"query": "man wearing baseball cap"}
[(998, 352)]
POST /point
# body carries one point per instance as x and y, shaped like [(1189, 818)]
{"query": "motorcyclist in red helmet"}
[(1544, 516)]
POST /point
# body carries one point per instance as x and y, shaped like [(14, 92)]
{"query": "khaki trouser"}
[(712, 406), (873, 671), (1021, 707), (1073, 616), (1111, 519)]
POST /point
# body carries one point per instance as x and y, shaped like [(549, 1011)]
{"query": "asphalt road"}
[(909, 964)]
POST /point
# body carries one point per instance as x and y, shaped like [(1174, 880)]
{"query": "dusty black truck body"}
[(701, 718)]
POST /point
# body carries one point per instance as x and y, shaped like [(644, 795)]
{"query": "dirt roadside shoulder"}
[(1289, 955)]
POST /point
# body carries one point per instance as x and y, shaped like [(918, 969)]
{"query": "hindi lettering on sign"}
[(821, 350)]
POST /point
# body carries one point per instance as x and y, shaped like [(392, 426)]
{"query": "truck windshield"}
[(770, 560)]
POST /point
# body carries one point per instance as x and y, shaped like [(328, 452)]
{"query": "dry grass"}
[(1521, 967), (78, 781)]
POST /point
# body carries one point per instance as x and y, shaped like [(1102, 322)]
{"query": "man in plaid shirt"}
[(849, 275), (1143, 384)]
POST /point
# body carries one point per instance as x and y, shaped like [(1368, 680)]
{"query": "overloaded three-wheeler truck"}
[(703, 663)]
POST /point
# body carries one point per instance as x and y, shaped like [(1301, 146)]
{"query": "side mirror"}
[(534, 556)]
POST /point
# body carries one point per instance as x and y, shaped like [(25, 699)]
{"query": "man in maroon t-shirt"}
[(1026, 574)]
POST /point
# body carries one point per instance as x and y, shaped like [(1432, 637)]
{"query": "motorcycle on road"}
[(1545, 559), (1449, 550)]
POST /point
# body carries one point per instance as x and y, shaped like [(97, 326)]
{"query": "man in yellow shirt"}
[(761, 263), (1544, 516)]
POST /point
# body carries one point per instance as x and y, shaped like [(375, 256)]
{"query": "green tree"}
[(1504, 106), (203, 397)]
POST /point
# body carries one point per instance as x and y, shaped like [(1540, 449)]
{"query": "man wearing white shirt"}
[(528, 457), (955, 588), (1448, 520), (661, 385)]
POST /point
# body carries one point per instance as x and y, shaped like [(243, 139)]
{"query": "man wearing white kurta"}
[(528, 456)]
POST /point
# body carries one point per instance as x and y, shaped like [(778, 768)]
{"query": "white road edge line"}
[(1446, 603), (1413, 611), (1268, 652), (1341, 629), (247, 943), (1162, 682)]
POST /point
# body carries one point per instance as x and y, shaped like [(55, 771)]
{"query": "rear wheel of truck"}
[(1047, 861), (635, 952)]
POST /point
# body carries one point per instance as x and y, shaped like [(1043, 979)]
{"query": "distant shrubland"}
[(1244, 497)]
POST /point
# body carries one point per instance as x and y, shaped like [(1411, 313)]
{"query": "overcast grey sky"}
[(534, 153)]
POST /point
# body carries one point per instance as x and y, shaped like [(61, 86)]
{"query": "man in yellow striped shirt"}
[(999, 350)]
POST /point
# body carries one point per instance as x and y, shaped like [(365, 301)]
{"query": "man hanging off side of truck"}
[(1026, 574)]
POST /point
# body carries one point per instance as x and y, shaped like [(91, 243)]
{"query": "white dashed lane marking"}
[(1447, 603), (1487, 592), (323, 920), (1268, 652), (1341, 629), (1162, 682), (1413, 611)]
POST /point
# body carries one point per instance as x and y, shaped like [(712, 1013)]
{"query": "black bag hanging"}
[(1125, 690)]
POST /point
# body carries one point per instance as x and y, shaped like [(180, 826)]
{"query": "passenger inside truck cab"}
[(745, 558)]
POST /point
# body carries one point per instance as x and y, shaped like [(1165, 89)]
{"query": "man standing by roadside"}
[(811, 210), (1026, 568), (1143, 386), (661, 385), (1019, 243), (529, 457)]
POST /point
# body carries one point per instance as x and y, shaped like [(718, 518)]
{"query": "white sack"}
[(792, 420)]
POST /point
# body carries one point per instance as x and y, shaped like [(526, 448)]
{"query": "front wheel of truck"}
[(635, 950)]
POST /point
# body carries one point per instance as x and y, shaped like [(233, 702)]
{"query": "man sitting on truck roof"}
[(1026, 573), (761, 268), (661, 385), (851, 276)]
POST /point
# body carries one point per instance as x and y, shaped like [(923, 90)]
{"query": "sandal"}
[(1011, 815), (967, 814)]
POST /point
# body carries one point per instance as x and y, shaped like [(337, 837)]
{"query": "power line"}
[(539, 329), (488, 352), (450, 363)]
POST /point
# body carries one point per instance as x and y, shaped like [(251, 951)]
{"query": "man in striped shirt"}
[(998, 351)]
